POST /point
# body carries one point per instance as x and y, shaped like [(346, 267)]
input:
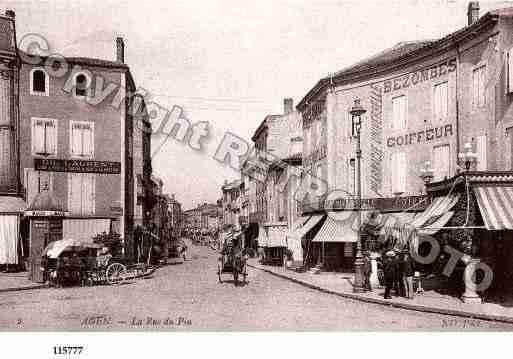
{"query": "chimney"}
[(120, 50), (473, 12), (288, 106), (10, 13)]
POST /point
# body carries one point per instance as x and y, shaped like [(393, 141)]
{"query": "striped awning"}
[(308, 226), (334, 230), (496, 206), (300, 222), (440, 207)]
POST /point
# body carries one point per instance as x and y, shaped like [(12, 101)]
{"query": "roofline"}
[(411, 57)]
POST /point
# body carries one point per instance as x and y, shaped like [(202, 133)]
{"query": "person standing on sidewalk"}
[(367, 269), (407, 269), (389, 273)]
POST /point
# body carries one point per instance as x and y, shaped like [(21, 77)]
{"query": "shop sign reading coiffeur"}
[(417, 77), (420, 136)]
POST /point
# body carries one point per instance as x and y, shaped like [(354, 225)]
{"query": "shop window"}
[(442, 162), (481, 153), (39, 82), (399, 112), (82, 139), (36, 182), (81, 193), (478, 87), (44, 136), (398, 172), (440, 102)]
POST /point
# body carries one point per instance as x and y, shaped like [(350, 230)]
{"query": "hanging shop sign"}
[(420, 136), (417, 77), (77, 166)]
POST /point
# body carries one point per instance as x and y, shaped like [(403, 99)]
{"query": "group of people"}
[(398, 273)]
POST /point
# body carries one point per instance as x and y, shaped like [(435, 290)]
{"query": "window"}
[(81, 193), (82, 82), (39, 82), (44, 136), (478, 87), (509, 136), (399, 113), (481, 153), (82, 139), (442, 162), (440, 102), (36, 182), (398, 172)]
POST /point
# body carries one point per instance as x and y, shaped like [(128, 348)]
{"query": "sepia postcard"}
[(240, 166)]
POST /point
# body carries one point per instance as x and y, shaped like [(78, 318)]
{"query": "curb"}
[(414, 307), (18, 289), (42, 286)]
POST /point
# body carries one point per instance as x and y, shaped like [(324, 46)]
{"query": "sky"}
[(230, 63)]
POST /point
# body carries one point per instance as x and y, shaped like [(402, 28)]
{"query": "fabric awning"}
[(496, 206), (334, 230), (438, 209), (276, 236), (13, 205), (296, 226), (262, 237), (307, 227), (9, 232)]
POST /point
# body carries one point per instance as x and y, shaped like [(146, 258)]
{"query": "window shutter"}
[(75, 139), (38, 136), (88, 138), (51, 137), (481, 153), (31, 184), (75, 193), (45, 181), (5, 156), (404, 112)]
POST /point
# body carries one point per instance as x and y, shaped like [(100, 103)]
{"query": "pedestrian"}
[(184, 252), (408, 272), (389, 273), (367, 270), (398, 279)]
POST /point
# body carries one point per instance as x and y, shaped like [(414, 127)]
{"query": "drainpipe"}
[(457, 103)]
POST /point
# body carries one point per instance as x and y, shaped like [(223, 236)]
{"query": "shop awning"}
[(438, 212), (276, 236), (307, 227), (334, 230), (296, 226), (496, 206), (262, 237), (12, 205)]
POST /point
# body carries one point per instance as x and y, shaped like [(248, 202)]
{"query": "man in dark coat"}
[(408, 271), (367, 270), (389, 269)]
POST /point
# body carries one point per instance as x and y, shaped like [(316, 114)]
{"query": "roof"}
[(84, 61), (400, 54), (262, 126), (231, 185)]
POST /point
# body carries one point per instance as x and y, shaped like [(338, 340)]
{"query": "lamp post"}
[(468, 157), (356, 121)]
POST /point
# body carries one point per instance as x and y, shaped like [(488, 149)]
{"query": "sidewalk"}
[(11, 282), (430, 301)]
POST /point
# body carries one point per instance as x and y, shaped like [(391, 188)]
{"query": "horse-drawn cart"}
[(232, 259)]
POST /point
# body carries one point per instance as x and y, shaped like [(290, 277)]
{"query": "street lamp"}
[(468, 157), (356, 122), (427, 172)]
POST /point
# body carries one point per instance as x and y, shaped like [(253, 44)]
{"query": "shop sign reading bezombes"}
[(417, 77), (77, 166)]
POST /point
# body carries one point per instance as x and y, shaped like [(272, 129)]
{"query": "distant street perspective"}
[(189, 297)]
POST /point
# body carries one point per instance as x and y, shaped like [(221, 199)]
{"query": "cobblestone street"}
[(188, 297)]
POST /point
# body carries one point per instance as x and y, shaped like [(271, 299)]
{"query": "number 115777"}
[(67, 350)]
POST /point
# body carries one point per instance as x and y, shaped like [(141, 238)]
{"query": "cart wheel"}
[(115, 273)]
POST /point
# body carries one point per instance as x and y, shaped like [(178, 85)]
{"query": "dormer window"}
[(39, 82), (82, 82)]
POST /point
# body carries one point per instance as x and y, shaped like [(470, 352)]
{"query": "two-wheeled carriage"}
[(232, 259)]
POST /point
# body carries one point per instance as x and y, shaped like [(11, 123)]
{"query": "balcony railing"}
[(386, 204)]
